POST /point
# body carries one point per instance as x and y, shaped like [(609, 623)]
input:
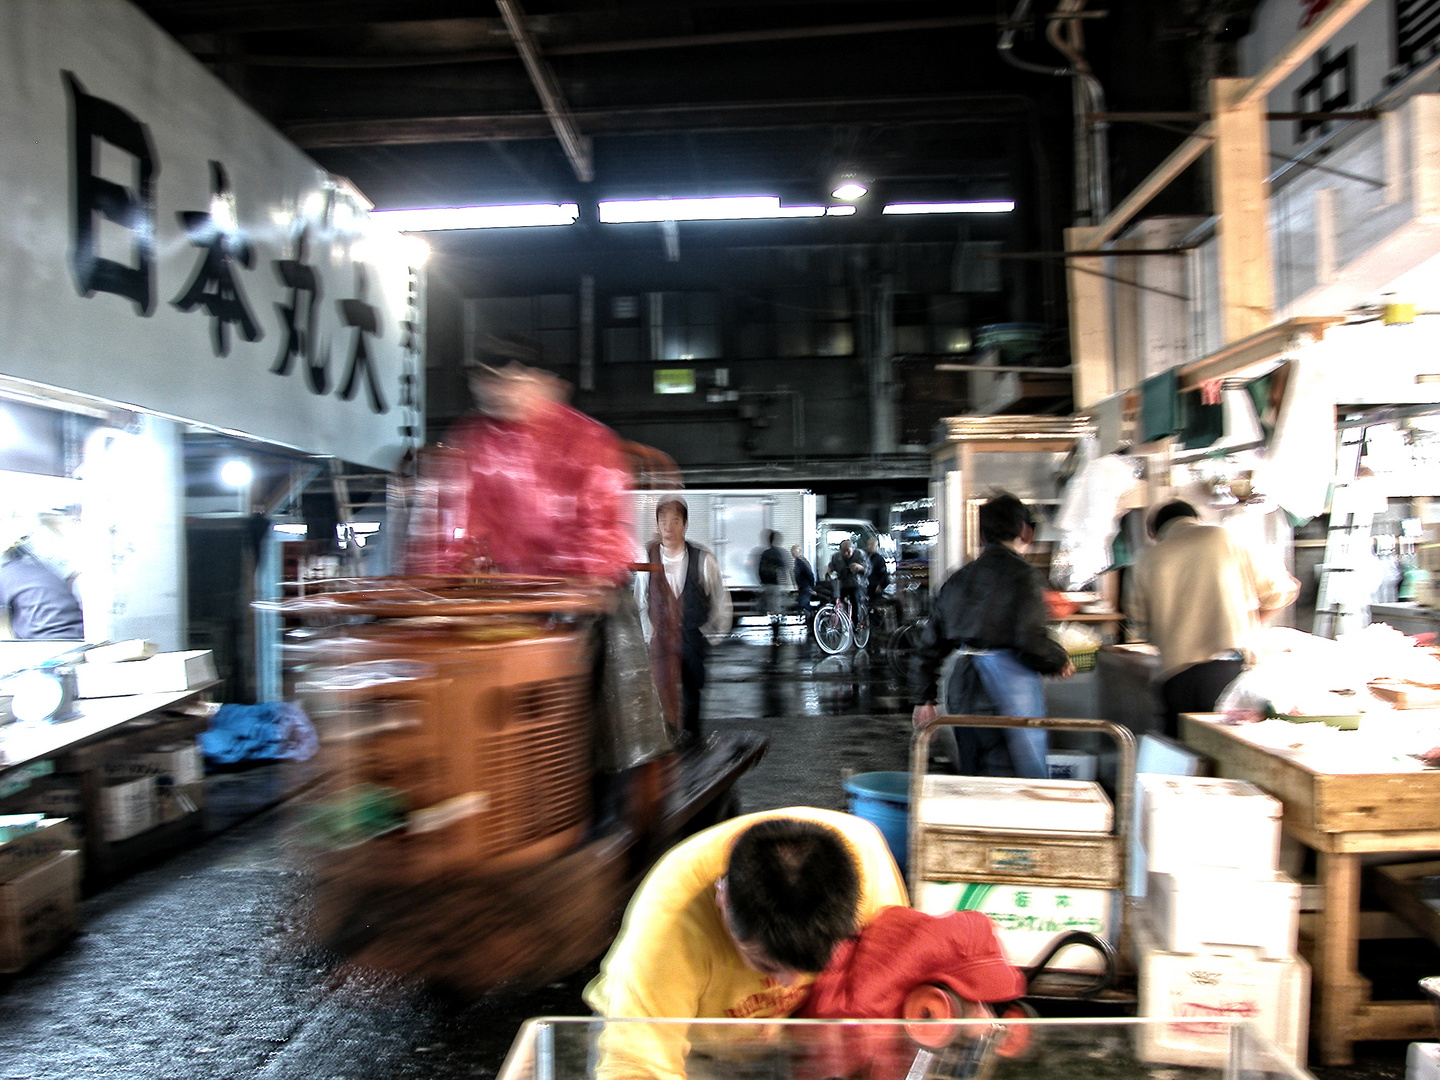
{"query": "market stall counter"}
[(100, 734), (1345, 793)]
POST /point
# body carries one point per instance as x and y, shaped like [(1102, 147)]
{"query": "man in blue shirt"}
[(40, 606)]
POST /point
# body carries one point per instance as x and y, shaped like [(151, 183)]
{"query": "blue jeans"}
[(1016, 690)]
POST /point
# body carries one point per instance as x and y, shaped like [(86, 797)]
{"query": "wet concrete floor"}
[(190, 970)]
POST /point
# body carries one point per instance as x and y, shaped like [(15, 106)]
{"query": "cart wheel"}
[(832, 630), (930, 1001)]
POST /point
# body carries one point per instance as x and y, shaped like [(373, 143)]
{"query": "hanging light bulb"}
[(849, 186)]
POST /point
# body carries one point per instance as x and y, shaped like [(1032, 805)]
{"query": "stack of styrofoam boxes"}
[(1218, 923), (171, 776)]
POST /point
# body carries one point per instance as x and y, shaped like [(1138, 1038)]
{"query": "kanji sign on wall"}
[(162, 246)]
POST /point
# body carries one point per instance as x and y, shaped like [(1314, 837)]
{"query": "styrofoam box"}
[(127, 808), (1194, 910), (162, 673), (1011, 804), (1422, 1061), (1274, 995), (175, 763), (1072, 765), (1188, 821), (1028, 918)]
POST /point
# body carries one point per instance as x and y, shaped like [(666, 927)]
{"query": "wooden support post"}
[(1340, 989), (1092, 368), (1242, 201)]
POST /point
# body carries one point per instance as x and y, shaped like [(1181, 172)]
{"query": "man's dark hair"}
[(673, 503), (775, 537), (1178, 508), (793, 891), (1003, 518)]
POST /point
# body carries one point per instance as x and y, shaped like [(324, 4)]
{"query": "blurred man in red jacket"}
[(529, 486)]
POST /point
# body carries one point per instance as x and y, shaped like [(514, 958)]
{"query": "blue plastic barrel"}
[(883, 799)]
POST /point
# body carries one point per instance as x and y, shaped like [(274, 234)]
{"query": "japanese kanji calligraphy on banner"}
[(163, 247)]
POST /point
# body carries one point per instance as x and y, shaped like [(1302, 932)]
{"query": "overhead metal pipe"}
[(576, 146)]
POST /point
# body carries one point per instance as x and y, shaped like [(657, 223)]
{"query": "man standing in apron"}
[(687, 608)]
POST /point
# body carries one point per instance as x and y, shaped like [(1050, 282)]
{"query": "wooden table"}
[(1340, 815)]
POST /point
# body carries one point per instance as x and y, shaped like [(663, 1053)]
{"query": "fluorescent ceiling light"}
[(479, 217), (726, 208), (839, 211), (994, 206)]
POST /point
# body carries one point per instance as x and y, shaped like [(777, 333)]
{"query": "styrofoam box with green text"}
[(1028, 918)]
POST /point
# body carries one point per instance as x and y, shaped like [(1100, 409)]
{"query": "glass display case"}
[(1200, 1047)]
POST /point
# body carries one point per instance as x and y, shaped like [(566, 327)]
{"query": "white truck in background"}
[(733, 523), (830, 531)]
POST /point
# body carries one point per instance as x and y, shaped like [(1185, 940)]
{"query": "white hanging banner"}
[(164, 247)]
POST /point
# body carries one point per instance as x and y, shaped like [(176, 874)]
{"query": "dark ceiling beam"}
[(592, 48), (207, 16), (261, 16), (729, 116), (557, 110)]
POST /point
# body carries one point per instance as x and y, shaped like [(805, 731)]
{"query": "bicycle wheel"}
[(832, 630), (902, 646), (862, 632)]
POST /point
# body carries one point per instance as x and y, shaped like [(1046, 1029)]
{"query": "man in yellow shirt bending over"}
[(735, 922)]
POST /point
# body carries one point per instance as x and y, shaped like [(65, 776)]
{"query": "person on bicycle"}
[(850, 570)]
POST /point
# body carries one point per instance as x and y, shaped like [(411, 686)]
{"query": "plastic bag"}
[(1089, 518), (273, 731), (630, 724), (1289, 684)]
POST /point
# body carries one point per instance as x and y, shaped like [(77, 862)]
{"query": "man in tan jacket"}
[(1199, 597)]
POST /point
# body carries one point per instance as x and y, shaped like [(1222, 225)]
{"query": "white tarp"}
[(162, 246)]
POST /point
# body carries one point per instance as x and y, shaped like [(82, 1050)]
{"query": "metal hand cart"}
[(947, 853)]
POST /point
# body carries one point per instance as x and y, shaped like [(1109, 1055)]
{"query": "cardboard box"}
[(1274, 995), (1193, 911), (13, 825), (175, 801), (1028, 918), (162, 673), (59, 796), (23, 853), (1011, 805), (38, 910), (127, 808), (174, 763), (1189, 821)]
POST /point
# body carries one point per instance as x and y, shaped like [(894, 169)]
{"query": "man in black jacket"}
[(993, 611), (804, 580)]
